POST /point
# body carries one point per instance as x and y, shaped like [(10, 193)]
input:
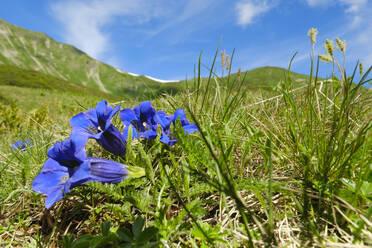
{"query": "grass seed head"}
[(312, 33), (329, 47), (227, 62), (341, 44), (326, 58), (361, 68), (223, 54)]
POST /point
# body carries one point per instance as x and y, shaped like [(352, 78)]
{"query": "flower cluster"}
[(21, 145), (68, 165)]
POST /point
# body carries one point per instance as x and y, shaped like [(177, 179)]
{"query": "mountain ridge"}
[(33, 50)]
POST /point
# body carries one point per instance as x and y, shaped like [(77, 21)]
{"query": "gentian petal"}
[(82, 125), (105, 113), (149, 134), (50, 181), (100, 170), (126, 132), (163, 119), (69, 152), (91, 114), (180, 113), (102, 109), (165, 122), (128, 115), (55, 195), (107, 171), (142, 120), (166, 140), (113, 141), (80, 176), (147, 111), (137, 112), (50, 177), (113, 112), (190, 128), (17, 145), (21, 145)]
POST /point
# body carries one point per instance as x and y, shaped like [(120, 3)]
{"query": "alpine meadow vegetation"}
[(219, 163)]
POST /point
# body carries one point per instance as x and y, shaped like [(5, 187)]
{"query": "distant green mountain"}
[(14, 76), (36, 51), (268, 76), (265, 78)]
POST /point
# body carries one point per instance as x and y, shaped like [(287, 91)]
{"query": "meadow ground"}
[(287, 167)]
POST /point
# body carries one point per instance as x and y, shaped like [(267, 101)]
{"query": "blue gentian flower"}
[(51, 181), (141, 119), (21, 145), (69, 152), (189, 128), (56, 180), (69, 167), (165, 122), (100, 170), (65, 157), (96, 124)]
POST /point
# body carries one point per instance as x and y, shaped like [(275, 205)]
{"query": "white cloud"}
[(182, 12), (83, 21), (248, 10), (313, 3), (354, 5)]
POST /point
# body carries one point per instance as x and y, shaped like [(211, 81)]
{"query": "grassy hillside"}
[(269, 76), (263, 78), (280, 173), (14, 76), (36, 51)]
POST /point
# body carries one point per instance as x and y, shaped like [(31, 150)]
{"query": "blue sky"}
[(163, 38)]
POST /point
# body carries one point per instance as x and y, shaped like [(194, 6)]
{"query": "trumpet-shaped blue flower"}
[(100, 170), (96, 124), (56, 180), (186, 125), (21, 145), (165, 122), (141, 119), (65, 157), (69, 167), (69, 152), (51, 181)]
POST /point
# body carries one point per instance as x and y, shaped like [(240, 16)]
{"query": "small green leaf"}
[(105, 227), (147, 235), (82, 242), (137, 226), (136, 172), (125, 235)]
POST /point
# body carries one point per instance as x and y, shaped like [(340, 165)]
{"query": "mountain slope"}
[(31, 83), (32, 50), (36, 51), (268, 76)]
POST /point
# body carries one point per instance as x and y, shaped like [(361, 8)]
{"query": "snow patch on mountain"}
[(152, 78), (162, 81)]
